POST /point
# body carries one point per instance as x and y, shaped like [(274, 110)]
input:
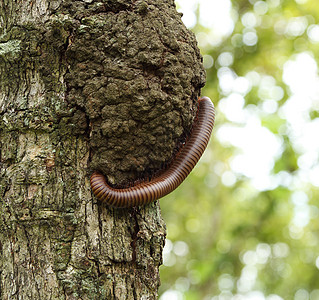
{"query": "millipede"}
[(161, 185)]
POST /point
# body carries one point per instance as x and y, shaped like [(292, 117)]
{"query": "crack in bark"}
[(31, 258), (100, 223), (0, 284), (134, 233)]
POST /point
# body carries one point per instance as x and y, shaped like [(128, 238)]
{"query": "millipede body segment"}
[(169, 179)]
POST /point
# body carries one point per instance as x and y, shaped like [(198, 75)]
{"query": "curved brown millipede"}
[(171, 178)]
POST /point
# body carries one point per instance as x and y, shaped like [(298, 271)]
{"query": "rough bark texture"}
[(109, 85)]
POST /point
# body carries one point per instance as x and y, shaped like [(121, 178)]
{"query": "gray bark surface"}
[(109, 85)]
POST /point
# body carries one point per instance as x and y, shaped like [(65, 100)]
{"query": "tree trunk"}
[(108, 85)]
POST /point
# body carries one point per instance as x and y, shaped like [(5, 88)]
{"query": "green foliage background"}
[(228, 239)]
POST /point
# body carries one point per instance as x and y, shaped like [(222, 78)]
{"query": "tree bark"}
[(84, 85)]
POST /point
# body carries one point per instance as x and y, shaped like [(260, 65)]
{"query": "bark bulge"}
[(137, 74)]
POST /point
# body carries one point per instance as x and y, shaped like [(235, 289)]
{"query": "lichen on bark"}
[(90, 84)]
